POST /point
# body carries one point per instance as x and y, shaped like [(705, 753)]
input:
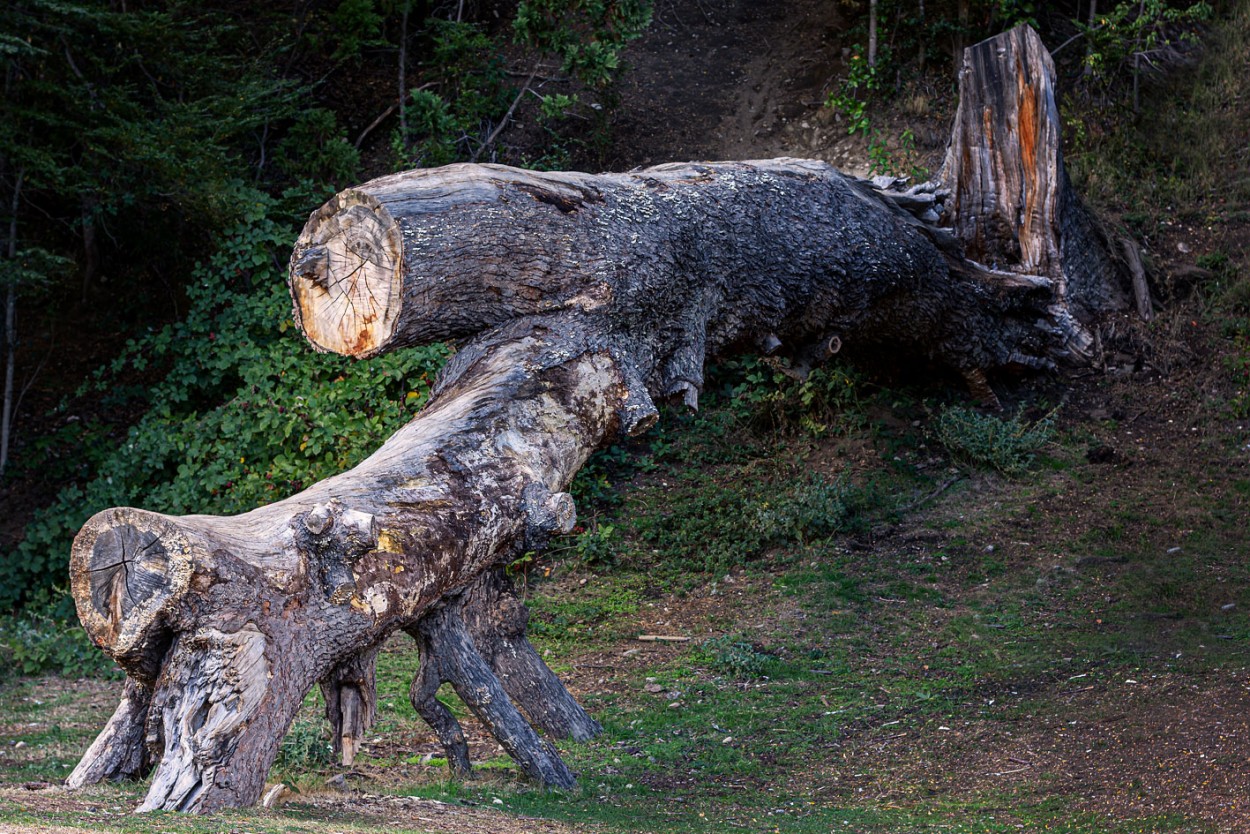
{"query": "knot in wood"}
[(332, 540), (547, 514)]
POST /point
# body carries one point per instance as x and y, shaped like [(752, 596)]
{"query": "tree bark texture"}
[(579, 301), (120, 752), (674, 263), (1012, 205)]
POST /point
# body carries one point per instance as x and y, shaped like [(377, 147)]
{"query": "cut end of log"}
[(126, 567), (346, 276)]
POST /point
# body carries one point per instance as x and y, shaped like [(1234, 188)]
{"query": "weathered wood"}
[(496, 618), (1011, 203), (478, 644), (351, 697), (257, 612), (689, 260), (120, 751), (581, 299), (449, 654), (1141, 289)]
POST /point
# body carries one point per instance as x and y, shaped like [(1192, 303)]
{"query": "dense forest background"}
[(157, 158)]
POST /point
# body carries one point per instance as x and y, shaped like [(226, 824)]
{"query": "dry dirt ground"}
[(737, 79)]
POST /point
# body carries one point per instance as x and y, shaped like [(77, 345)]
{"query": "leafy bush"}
[(34, 645), (733, 655), (304, 747), (707, 526), (586, 35), (597, 545), (813, 510), (453, 123), (766, 397), (852, 96), (244, 414), (986, 441)]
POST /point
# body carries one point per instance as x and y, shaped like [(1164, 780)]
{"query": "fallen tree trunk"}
[(583, 299)]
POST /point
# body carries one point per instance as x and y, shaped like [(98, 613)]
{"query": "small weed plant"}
[(814, 510), (304, 748), (985, 441), (734, 656), (851, 98), (768, 398)]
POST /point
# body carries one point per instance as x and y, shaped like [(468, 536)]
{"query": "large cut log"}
[(686, 259), (580, 300)]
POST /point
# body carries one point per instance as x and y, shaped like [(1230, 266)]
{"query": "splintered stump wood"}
[(1011, 203), (579, 301)]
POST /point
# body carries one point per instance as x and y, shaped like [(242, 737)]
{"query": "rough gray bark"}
[(676, 263), (449, 654), (484, 628), (351, 696), (581, 299), (230, 621), (496, 619)]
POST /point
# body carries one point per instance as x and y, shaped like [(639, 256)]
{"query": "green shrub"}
[(597, 545), (35, 645), (986, 441), (734, 656), (244, 414), (764, 396), (305, 747), (703, 525), (586, 35), (815, 509)]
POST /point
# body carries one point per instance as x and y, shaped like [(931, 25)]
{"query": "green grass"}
[(851, 634)]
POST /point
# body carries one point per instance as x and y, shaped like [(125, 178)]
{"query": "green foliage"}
[(1012, 13), (35, 645), (901, 160), (433, 131), (701, 525), (601, 609), (586, 35), (992, 442), (1133, 31), (33, 270), (304, 748), (734, 656), (597, 545), (352, 26), (852, 97), (315, 149), (466, 67), (244, 413), (138, 115), (815, 509), (826, 401)]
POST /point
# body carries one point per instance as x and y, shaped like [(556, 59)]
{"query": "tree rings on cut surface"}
[(345, 275), (125, 566)]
